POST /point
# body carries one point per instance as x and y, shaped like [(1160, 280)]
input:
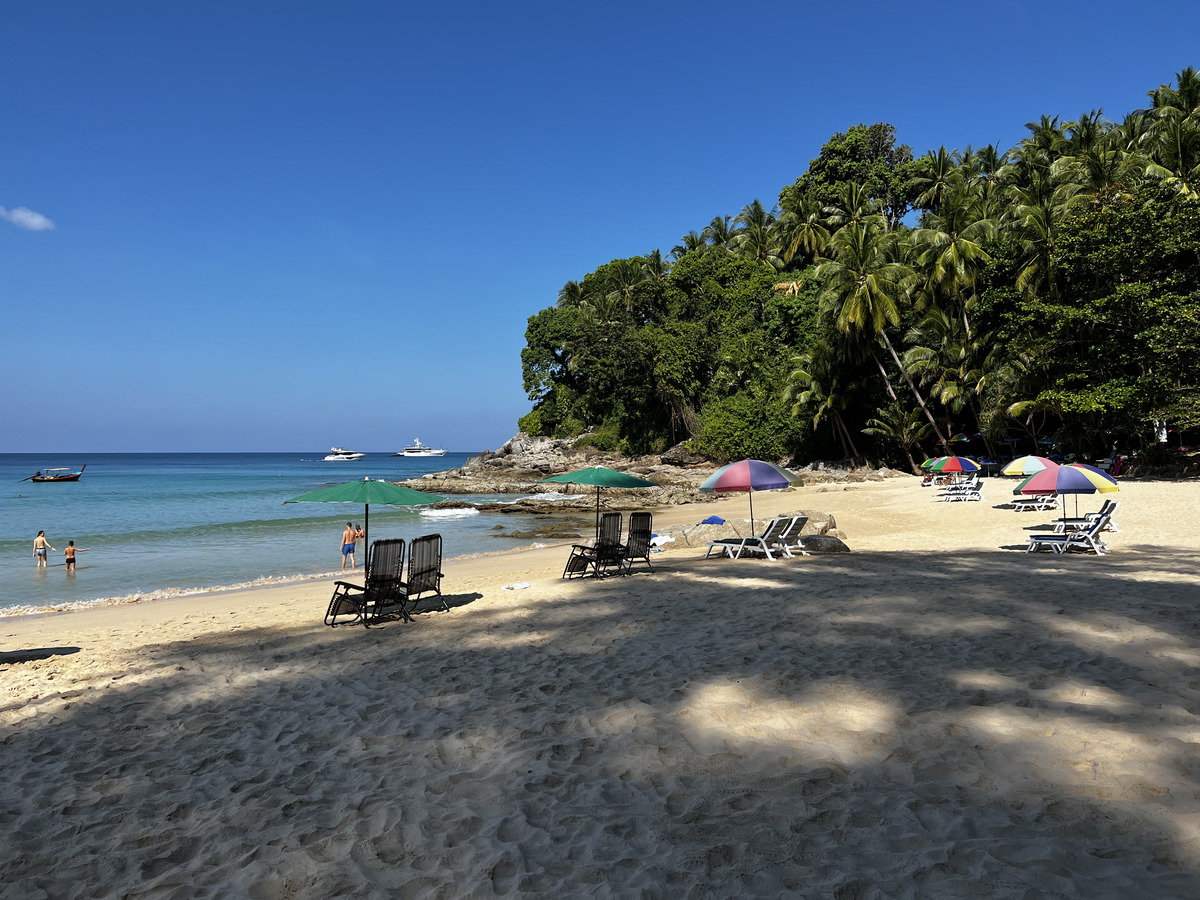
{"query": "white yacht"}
[(419, 449), (341, 454)]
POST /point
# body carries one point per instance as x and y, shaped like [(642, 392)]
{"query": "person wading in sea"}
[(70, 552), (39, 549), (348, 538)]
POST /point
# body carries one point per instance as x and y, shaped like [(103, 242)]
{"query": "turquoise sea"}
[(161, 523)]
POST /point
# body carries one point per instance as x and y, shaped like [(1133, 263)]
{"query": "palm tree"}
[(864, 286), (1173, 141), (938, 173), (719, 232), (654, 267), (1088, 132), (904, 427), (758, 235), (693, 240), (803, 229), (958, 367), (853, 206), (1035, 220), (623, 276), (816, 384), (951, 246), (571, 294)]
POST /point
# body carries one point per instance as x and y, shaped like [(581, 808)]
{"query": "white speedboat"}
[(341, 454), (419, 449)]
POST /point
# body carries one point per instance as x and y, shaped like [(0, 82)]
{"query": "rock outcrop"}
[(520, 465)]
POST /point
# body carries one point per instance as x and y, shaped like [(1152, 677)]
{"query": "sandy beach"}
[(935, 714)]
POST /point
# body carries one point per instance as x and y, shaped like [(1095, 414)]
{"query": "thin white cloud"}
[(26, 218)]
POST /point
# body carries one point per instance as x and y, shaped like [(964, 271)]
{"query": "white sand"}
[(932, 715)]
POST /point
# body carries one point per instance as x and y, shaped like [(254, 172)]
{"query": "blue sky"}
[(289, 225)]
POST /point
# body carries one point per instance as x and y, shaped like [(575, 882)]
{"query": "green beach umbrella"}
[(930, 462), (601, 477), (367, 492)]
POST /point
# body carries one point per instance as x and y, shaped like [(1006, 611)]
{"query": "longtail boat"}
[(63, 474)]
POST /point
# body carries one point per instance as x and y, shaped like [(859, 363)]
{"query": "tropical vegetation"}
[(887, 305)]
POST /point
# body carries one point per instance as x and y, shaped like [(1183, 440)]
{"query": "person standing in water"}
[(39, 549), (348, 538), (70, 552)]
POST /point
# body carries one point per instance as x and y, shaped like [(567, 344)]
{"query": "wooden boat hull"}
[(45, 479)]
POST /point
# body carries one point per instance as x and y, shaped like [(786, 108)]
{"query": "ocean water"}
[(162, 523)]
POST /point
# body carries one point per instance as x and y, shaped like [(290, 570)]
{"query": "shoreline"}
[(268, 581)]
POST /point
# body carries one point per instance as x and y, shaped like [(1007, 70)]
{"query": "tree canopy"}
[(887, 305)]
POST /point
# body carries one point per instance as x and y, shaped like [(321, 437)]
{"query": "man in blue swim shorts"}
[(348, 545)]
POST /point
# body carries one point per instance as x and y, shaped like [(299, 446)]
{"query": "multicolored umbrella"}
[(750, 475), (931, 461), (1020, 488), (1028, 465), (1073, 478), (955, 464)]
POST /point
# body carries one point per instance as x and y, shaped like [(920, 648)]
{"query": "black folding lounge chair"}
[(608, 553), (425, 570), (638, 545), (382, 589)]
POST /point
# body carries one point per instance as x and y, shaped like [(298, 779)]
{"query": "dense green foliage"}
[(1049, 290)]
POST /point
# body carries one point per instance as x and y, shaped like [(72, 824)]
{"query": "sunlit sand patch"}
[(1126, 638), (832, 721), (1097, 760), (908, 621), (984, 681), (1082, 693)]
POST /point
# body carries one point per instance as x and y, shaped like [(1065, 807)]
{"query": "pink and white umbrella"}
[(750, 475)]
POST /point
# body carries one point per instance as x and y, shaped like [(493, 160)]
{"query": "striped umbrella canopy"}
[(929, 463), (1028, 465), (955, 464), (1073, 478), (1020, 488), (750, 475)]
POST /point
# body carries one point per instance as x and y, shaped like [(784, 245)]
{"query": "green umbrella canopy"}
[(367, 492), (601, 477)]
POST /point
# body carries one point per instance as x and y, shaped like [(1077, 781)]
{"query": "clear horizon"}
[(293, 224)]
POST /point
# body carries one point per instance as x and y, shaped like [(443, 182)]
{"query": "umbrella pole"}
[(597, 515), (366, 536), (750, 494)]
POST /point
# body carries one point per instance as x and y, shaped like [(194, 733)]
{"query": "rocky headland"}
[(520, 465)]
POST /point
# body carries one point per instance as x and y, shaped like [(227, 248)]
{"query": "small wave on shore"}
[(161, 594), (458, 513)]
